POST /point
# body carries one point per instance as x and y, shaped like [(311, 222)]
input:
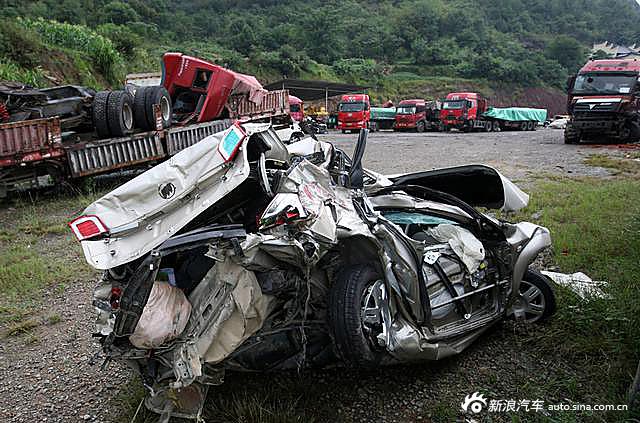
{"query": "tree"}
[(567, 51), (119, 13)]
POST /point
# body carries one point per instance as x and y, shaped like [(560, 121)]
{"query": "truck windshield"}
[(453, 104), (351, 107), (295, 108), (405, 110), (604, 84)]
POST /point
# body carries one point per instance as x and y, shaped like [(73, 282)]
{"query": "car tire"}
[(140, 109), (158, 95), (538, 295), (120, 113), (345, 314), (100, 118)]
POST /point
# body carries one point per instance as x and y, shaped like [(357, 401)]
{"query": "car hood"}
[(476, 185)]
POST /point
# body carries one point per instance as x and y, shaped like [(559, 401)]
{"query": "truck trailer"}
[(469, 111), (604, 102), (70, 132)]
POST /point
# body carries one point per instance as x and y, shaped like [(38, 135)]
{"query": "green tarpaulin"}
[(516, 114), (381, 113)]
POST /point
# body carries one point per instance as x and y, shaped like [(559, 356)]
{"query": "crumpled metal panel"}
[(115, 153), (179, 138)]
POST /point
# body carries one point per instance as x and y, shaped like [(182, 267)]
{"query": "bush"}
[(19, 44), (79, 37), (123, 39), (358, 70)]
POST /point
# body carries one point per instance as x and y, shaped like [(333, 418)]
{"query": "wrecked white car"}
[(242, 252)]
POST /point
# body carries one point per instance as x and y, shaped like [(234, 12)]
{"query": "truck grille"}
[(595, 107)]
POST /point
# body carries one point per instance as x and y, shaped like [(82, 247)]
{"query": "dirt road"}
[(46, 374)]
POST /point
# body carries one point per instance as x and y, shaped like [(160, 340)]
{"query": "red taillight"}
[(85, 227)]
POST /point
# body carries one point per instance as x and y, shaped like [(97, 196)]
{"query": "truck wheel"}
[(344, 131), (120, 113), (524, 126), (496, 126), (158, 95), (140, 109), (571, 136), (420, 126), (353, 317), (100, 120)]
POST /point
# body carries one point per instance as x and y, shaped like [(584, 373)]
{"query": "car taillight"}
[(85, 227)]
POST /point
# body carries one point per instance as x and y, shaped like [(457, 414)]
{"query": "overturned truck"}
[(246, 253)]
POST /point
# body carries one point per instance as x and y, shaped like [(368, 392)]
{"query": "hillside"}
[(502, 45)]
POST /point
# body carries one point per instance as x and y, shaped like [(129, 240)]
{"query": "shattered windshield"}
[(406, 110), (351, 107), (453, 105), (604, 84)]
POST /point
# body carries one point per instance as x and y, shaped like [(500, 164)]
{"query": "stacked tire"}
[(117, 113)]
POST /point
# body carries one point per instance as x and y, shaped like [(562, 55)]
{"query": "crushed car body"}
[(246, 253)]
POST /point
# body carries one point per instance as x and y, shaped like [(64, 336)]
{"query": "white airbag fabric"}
[(466, 246), (163, 318)]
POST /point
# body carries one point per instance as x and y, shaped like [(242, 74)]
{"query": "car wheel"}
[(120, 113), (158, 95), (355, 315), (420, 127), (538, 296), (140, 109), (100, 118)]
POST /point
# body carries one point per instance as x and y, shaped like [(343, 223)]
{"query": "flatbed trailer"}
[(34, 153)]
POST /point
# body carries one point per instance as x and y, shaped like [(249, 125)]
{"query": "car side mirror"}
[(356, 174)]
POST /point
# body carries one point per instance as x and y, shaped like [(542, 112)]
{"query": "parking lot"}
[(64, 387), (518, 155)]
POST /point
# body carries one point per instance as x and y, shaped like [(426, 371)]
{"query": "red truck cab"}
[(460, 110), (354, 112), (411, 114), (296, 108), (203, 89), (604, 101)]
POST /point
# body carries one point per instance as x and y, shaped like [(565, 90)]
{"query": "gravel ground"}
[(46, 375), (518, 155)]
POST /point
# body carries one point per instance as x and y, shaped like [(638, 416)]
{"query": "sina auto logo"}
[(166, 190), (473, 403)]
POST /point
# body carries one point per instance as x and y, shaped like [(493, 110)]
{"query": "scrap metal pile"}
[(242, 252)]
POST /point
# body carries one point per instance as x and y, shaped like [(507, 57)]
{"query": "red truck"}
[(463, 111), (69, 132), (296, 108), (354, 112), (469, 111), (417, 114), (604, 101)]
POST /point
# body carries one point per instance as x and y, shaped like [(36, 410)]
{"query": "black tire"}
[(420, 127), (140, 109), (571, 136), (532, 125), (100, 118), (158, 95), (524, 126), (542, 295), (120, 113), (344, 131), (345, 303), (496, 126)]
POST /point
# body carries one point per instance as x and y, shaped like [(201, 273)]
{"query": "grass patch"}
[(22, 327), (595, 226), (627, 166)]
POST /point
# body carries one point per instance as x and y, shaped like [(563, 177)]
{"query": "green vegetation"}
[(596, 230), (530, 43), (616, 166)]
